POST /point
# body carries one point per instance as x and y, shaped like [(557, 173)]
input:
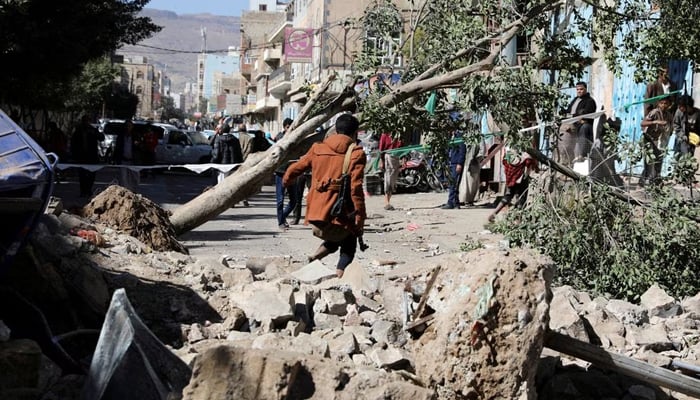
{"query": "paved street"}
[(417, 230)]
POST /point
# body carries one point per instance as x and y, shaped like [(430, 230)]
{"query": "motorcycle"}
[(417, 174)]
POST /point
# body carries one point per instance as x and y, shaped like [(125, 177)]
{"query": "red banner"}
[(298, 44)]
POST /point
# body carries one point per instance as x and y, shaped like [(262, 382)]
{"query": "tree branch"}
[(516, 25)]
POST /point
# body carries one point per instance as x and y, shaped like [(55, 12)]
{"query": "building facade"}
[(209, 65), (142, 81)]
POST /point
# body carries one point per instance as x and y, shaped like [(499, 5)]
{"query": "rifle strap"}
[(346, 161)]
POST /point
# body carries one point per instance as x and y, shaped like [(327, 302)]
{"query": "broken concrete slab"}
[(262, 302), (659, 303), (258, 265), (230, 373), (313, 273), (360, 281)]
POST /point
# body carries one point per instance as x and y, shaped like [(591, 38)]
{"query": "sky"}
[(215, 7)]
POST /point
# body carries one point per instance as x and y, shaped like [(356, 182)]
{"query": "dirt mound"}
[(135, 215)]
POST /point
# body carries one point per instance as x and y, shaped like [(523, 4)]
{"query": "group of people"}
[(130, 149), (666, 114)]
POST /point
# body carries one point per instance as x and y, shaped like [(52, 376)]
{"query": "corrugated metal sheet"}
[(627, 91)]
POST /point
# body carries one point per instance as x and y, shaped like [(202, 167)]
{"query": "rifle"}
[(344, 197)]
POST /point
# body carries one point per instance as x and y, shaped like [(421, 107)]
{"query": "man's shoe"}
[(284, 227), (448, 207), (389, 207)]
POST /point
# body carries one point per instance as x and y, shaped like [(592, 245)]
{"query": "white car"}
[(174, 145)]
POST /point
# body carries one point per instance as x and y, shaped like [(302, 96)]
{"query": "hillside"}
[(183, 33)]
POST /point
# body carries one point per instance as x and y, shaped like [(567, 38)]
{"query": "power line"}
[(262, 46)]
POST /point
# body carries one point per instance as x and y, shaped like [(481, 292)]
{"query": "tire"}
[(434, 182), (423, 184)]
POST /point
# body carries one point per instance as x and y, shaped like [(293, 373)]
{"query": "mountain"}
[(182, 40)]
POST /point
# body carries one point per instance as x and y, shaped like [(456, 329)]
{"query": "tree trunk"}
[(249, 177)]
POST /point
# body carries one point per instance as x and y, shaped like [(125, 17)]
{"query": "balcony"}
[(266, 103), (280, 81), (261, 70), (272, 55), (246, 70)]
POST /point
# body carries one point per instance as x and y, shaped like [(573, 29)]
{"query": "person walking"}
[(226, 150), (327, 161), (293, 191), (84, 142), (391, 164), (517, 166), (457, 153), (124, 153)]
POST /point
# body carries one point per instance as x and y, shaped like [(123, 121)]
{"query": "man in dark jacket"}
[(662, 85), (456, 155), (84, 150), (582, 104), (295, 190), (226, 150)]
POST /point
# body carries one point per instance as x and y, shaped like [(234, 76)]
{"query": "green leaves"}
[(47, 46), (606, 246)]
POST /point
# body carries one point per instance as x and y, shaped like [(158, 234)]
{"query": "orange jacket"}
[(325, 160)]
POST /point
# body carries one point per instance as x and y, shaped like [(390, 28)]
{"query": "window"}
[(262, 7), (139, 74), (177, 137), (139, 89), (385, 49)]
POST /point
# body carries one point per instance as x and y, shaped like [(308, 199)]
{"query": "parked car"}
[(175, 146), (198, 137), (209, 133)]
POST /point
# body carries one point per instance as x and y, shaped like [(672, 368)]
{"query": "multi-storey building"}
[(261, 50), (210, 64), (141, 80), (275, 73)]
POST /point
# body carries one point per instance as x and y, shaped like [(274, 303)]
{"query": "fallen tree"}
[(465, 46), (248, 179)]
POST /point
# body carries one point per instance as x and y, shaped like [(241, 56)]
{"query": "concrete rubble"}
[(270, 328)]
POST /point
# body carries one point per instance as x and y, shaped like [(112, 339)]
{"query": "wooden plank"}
[(424, 298), (420, 322), (491, 154), (625, 365)]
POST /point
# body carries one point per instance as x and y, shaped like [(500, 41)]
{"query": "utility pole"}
[(346, 28)]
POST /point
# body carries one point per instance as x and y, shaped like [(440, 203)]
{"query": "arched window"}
[(139, 74), (139, 89)]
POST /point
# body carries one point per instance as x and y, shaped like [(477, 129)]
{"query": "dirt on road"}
[(417, 230)]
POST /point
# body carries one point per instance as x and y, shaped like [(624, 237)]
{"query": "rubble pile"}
[(135, 215), (466, 326)]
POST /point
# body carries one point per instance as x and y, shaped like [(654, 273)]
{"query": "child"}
[(518, 168)]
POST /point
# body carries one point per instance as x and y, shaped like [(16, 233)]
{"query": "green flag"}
[(430, 104), (650, 100)]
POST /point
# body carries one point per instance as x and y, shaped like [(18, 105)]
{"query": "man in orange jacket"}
[(339, 230)]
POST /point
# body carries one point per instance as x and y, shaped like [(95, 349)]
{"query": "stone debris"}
[(267, 327), (313, 273)]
